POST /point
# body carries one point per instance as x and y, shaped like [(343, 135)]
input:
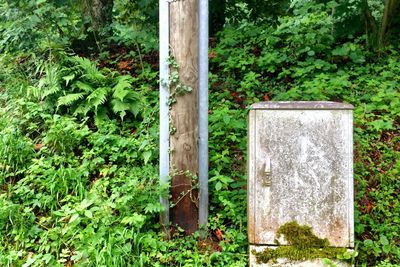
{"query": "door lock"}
[(267, 173)]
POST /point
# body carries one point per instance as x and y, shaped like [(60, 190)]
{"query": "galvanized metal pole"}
[(203, 112), (164, 109)]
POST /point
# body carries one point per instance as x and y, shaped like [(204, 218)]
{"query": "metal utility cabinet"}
[(300, 169)]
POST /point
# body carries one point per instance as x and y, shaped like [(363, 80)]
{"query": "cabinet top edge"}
[(302, 105)]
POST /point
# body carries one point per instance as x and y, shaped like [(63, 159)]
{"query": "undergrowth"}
[(79, 135)]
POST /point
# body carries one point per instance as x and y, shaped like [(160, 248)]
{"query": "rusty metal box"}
[(300, 169)]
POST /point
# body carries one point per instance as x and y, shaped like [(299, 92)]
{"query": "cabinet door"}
[(301, 169)]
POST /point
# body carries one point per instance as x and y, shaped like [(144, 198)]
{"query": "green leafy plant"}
[(79, 133), (87, 90)]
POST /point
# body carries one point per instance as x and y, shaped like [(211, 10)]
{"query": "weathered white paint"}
[(309, 146)]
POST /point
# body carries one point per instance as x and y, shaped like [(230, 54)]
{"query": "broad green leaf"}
[(29, 262), (386, 248), (88, 214), (384, 241), (85, 203), (218, 186), (73, 218), (134, 220), (146, 156)]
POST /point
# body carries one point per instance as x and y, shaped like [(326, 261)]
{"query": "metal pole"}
[(164, 109), (203, 112)]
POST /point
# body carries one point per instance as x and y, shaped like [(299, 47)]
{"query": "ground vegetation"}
[(79, 124)]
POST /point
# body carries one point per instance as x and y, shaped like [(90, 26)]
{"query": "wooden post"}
[(184, 116)]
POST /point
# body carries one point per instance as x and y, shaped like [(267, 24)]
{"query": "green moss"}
[(300, 236), (303, 244)]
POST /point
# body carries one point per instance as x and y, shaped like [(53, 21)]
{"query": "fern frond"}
[(136, 108), (68, 78), (84, 86), (51, 91), (89, 68), (82, 109), (135, 101), (34, 92), (101, 116), (69, 99), (50, 83), (40, 67), (120, 107), (123, 87), (98, 97)]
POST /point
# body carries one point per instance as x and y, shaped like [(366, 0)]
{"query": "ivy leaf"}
[(386, 249), (368, 243)]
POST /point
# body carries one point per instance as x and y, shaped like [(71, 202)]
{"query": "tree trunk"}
[(99, 14), (217, 16), (389, 11), (184, 116), (371, 28)]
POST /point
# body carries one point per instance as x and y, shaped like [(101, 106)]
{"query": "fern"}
[(82, 109), (84, 86), (101, 116), (121, 89), (89, 69), (33, 91), (87, 90), (49, 84), (69, 99), (135, 108), (68, 78), (135, 103), (97, 97), (120, 108)]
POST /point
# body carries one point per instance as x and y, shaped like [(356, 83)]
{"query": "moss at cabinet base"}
[(293, 253), (284, 262), (302, 245)]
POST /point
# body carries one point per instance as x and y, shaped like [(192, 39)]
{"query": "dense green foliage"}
[(79, 128)]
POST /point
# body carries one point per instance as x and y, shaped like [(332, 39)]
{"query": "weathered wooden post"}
[(184, 103), (184, 43), (300, 183)]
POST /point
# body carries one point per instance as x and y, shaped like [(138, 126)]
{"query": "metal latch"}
[(267, 172)]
